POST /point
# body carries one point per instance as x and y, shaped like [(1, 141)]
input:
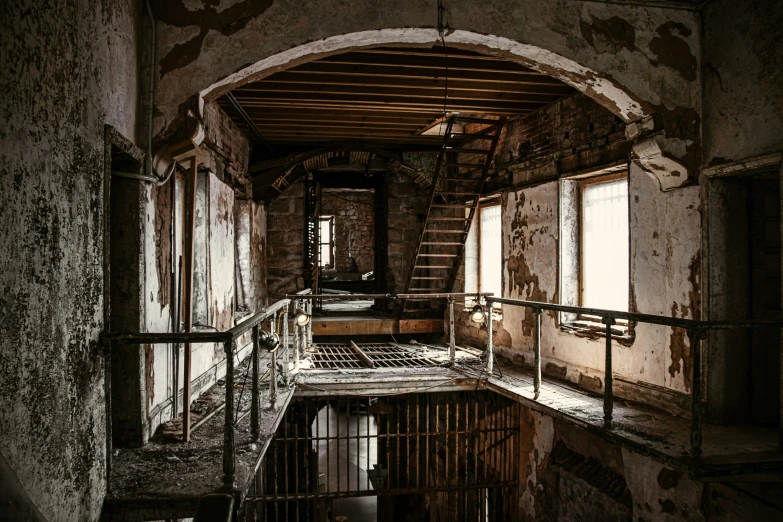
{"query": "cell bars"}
[(329, 356), (454, 455)]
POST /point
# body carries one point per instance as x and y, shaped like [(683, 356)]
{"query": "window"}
[(594, 244), (326, 242), (483, 253), (604, 252)]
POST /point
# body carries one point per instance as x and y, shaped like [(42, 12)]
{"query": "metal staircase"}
[(454, 198)]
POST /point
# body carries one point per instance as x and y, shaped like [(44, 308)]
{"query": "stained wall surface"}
[(68, 69)]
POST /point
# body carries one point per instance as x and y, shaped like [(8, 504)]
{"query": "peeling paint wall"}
[(743, 70), (250, 233), (570, 474), (665, 236), (68, 69)]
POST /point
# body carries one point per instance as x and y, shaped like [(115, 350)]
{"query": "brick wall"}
[(285, 244), (569, 136), (354, 232)]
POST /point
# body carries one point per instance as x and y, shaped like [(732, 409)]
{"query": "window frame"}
[(583, 184), (470, 302), (330, 243)]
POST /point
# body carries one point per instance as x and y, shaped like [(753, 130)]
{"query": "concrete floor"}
[(345, 462)]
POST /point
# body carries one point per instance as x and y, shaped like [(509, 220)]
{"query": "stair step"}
[(466, 165), (430, 231), (473, 119), (423, 289), (431, 278), (483, 152), (470, 137), (451, 193), (441, 243), (453, 205), (433, 267), (439, 255), (447, 219)]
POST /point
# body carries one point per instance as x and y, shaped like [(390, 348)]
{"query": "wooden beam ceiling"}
[(387, 95)]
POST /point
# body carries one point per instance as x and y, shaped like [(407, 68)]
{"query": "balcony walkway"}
[(164, 480)]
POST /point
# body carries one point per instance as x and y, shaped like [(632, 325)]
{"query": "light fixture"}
[(477, 314), (301, 317), (268, 340)]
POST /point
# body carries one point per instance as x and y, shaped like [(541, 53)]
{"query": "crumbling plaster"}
[(743, 71), (68, 68), (665, 280), (634, 60)]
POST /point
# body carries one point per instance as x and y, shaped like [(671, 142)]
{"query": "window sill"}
[(593, 330)]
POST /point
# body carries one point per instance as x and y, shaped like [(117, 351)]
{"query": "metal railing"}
[(228, 339), (449, 297), (696, 329)]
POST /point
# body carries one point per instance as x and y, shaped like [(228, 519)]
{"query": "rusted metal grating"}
[(339, 356)]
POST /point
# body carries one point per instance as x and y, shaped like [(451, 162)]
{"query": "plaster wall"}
[(743, 70), (68, 68), (632, 59), (665, 279)]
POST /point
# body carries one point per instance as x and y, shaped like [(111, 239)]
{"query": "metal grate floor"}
[(339, 356)]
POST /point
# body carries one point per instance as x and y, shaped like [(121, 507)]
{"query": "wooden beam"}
[(366, 360), (401, 103), (187, 301), (455, 62), (390, 81), (433, 70), (321, 91)]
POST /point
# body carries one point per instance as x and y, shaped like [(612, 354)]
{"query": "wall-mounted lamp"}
[(302, 318), (268, 340), (477, 314)]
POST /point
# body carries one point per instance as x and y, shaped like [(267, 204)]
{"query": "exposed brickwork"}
[(354, 232), (565, 137), (226, 146), (285, 242)]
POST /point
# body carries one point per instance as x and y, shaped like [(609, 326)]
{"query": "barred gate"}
[(443, 456)]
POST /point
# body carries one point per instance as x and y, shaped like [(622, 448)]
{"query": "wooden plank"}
[(363, 357), (356, 326), (415, 326)]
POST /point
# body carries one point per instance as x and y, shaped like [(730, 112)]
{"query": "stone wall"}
[(68, 69), (354, 234), (285, 239)]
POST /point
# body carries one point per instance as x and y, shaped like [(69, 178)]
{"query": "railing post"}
[(229, 464), (297, 334), (273, 371), (696, 336), (309, 328), (452, 341), (490, 347), (608, 398), (286, 354), (537, 354), (255, 404)]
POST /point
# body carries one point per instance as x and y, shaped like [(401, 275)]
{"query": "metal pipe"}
[(452, 341), (151, 92), (146, 177), (490, 348), (229, 462), (364, 297), (188, 299), (608, 398), (537, 355), (696, 337), (286, 354), (636, 317), (255, 402), (273, 376)]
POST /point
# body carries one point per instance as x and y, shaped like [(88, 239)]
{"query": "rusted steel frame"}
[(229, 457), (257, 318), (187, 301), (537, 355), (255, 399), (637, 317), (696, 336), (364, 297), (366, 360), (608, 398), (452, 341)]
